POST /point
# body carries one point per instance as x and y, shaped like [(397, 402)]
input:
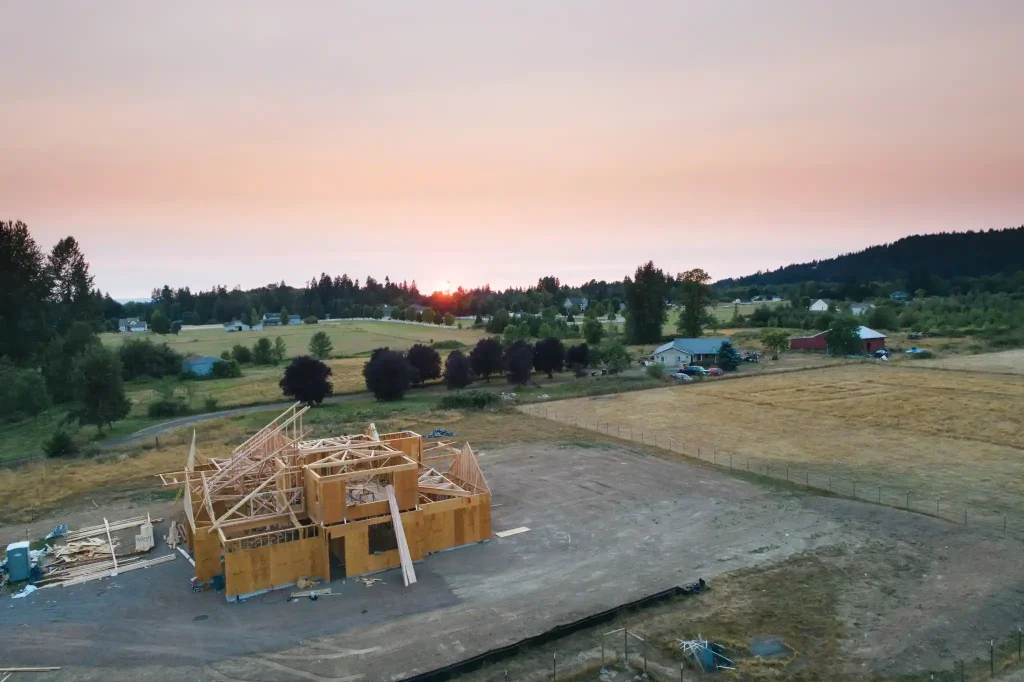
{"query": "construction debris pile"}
[(92, 553), (707, 656)]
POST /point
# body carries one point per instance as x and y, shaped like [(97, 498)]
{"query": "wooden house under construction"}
[(281, 507)]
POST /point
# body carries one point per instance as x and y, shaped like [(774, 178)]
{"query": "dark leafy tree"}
[(616, 357), (388, 374), (59, 359), (883, 317), (426, 361), (485, 358), (728, 357), (775, 340), (228, 369), (24, 289), (578, 355), (285, 316), (645, 304), (307, 380), (843, 336), (549, 356), (593, 331), (695, 290), (99, 388), (428, 315), (241, 354), (263, 352), (518, 363), (458, 372), (142, 358), (320, 345), (499, 320), (478, 321), (22, 392), (159, 323), (280, 349)]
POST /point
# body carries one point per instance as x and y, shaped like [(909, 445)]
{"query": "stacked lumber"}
[(106, 569), (114, 526), (81, 551)]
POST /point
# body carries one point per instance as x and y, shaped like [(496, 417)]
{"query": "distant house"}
[(820, 306), (200, 365), (131, 324), (680, 352), (274, 319), (870, 341), (239, 326), (578, 301), (860, 308), (899, 296)]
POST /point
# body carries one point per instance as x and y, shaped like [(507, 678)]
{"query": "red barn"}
[(870, 341)]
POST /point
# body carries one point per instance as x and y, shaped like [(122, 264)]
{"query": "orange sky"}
[(215, 143)]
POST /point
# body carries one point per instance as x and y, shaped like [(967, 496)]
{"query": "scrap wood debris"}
[(370, 581), (709, 656)]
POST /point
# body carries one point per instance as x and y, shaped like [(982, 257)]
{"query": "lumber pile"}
[(105, 569), (115, 526)]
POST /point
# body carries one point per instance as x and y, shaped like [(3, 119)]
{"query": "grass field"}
[(941, 434), (349, 337), (1005, 362)]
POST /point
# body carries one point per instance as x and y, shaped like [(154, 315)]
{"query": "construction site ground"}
[(886, 592)]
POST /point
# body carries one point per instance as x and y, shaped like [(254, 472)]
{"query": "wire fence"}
[(955, 510), (628, 649)]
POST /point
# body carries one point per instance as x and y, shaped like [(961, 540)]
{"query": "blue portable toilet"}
[(18, 564)]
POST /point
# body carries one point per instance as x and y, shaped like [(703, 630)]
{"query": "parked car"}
[(695, 370), (915, 350), (681, 376), (883, 353), (716, 371), (752, 356)]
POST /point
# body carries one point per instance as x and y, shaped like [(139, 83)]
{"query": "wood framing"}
[(280, 505)]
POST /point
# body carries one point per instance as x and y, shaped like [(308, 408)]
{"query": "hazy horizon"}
[(189, 144)]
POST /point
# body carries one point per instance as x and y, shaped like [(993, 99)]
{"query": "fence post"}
[(1019, 630), (698, 452), (855, 488), (602, 651), (830, 482), (787, 473), (748, 465), (807, 479)]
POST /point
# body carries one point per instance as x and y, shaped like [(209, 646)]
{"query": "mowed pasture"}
[(1005, 362), (945, 435), (350, 337)]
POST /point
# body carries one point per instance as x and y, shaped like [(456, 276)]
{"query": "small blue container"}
[(18, 563)]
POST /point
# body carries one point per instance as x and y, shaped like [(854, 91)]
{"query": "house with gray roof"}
[(681, 352)]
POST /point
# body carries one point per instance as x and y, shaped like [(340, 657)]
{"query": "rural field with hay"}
[(350, 337), (952, 437)]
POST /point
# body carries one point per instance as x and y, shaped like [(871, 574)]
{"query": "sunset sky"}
[(241, 143)]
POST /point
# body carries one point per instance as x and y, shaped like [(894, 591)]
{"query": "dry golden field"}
[(949, 435), (1005, 362)]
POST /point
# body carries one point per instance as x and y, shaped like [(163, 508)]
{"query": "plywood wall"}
[(311, 497), (206, 550), (271, 566), (332, 501)]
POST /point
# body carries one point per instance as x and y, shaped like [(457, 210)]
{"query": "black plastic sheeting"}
[(559, 631)]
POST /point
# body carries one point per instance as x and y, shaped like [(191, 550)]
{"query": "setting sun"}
[(444, 287)]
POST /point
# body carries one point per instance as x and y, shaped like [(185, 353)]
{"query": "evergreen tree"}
[(284, 316), (728, 357), (263, 351), (695, 288), (593, 331), (159, 323), (645, 303), (280, 349)]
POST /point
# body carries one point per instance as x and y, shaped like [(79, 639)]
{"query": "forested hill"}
[(944, 255)]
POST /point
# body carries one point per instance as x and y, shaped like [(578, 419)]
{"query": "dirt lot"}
[(939, 434), (608, 524)]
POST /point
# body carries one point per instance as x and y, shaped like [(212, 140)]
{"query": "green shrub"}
[(226, 370), (448, 344), (310, 319), (923, 355), (22, 392), (656, 370), (60, 444), (241, 354), (142, 357), (167, 407), (469, 400), (210, 404)]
